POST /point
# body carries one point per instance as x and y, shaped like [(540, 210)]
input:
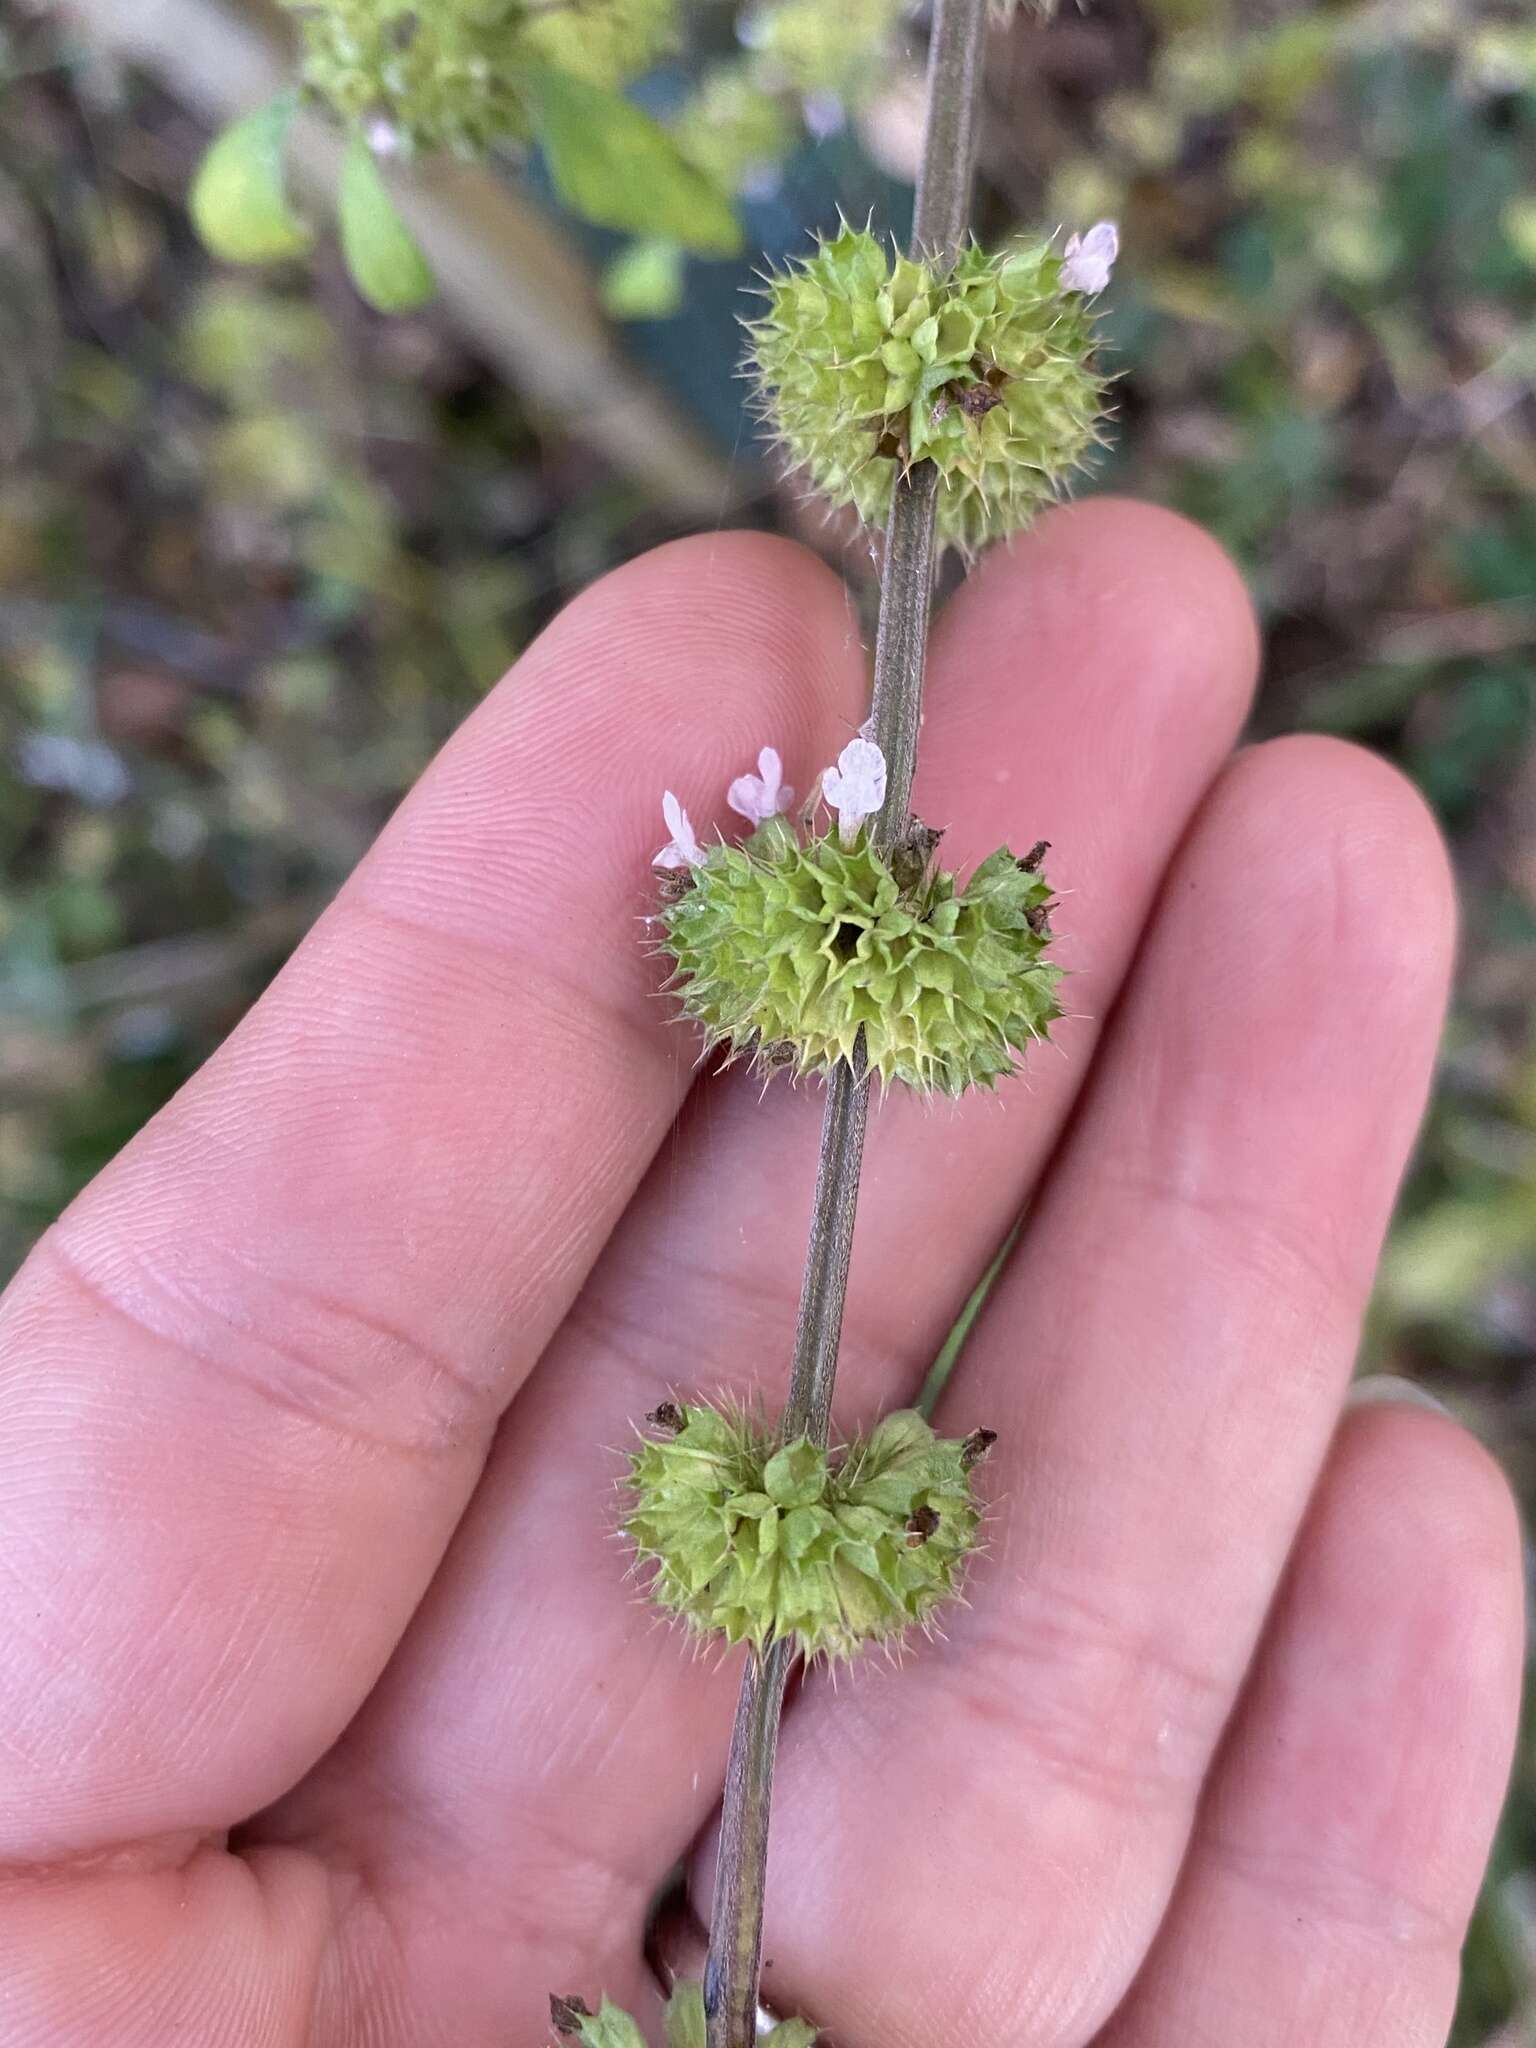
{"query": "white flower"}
[(855, 788), (682, 849), (1088, 259), (763, 795)]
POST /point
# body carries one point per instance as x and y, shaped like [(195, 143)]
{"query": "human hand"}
[(326, 1717)]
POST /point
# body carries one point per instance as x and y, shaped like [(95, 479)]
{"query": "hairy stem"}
[(906, 595)]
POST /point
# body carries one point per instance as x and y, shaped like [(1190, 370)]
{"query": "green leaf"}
[(382, 254), (614, 165), (238, 201), (685, 2016), (644, 281)]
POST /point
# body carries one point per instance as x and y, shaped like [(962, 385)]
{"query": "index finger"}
[(247, 1382)]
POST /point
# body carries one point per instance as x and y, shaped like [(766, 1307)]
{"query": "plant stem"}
[(809, 1409), (901, 642), (736, 1919), (906, 594)]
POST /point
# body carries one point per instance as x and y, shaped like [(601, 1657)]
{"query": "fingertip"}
[(1427, 1505), (1343, 1835), (1162, 560), (711, 624), (669, 673), (1374, 1744), (1361, 856), (1407, 1606), (1151, 586), (1288, 1004)]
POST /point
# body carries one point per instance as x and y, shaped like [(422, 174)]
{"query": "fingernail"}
[(1390, 1389)]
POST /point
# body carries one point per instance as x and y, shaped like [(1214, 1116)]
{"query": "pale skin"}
[(326, 1717)]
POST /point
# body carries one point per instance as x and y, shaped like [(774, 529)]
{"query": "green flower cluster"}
[(786, 950), (611, 2027), (747, 111), (816, 48), (607, 42), (756, 1540), (866, 363), (454, 75), (732, 126)]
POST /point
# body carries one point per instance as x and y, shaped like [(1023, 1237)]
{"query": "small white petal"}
[(761, 796), (745, 797), (855, 788), (1087, 260), (682, 850)]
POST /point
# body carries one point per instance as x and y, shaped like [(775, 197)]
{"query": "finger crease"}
[(303, 1387)]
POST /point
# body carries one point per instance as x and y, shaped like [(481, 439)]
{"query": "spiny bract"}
[(867, 363), (611, 2027), (455, 75), (787, 950), (754, 1539)]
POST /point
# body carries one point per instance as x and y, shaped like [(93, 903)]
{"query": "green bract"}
[(453, 75), (786, 951), (867, 363), (755, 1540), (611, 2027)]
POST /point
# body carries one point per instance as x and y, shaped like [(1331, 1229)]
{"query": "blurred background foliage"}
[(260, 549)]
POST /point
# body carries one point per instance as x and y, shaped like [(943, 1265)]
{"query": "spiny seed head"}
[(867, 362), (454, 75), (754, 1539), (785, 950)]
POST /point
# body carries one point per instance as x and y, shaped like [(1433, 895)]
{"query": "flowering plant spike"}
[(454, 75), (755, 1540), (788, 947), (867, 363)]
